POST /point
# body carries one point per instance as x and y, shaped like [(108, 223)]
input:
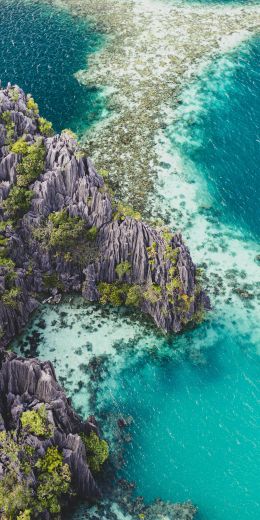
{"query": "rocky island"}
[(62, 229)]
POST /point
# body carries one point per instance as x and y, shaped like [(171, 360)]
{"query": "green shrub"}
[(134, 296), (97, 451), (54, 480), (32, 105), (20, 146), (91, 233), (17, 499), (45, 127), (6, 118), (14, 94), (7, 263), (122, 269), (10, 297), (123, 211), (113, 293), (119, 293), (32, 164), (65, 230), (153, 293), (18, 202), (36, 422), (26, 515), (14, 496)]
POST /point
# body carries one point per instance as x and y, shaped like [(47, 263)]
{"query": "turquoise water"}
[(194, 398), (222, 136), (40, 49)]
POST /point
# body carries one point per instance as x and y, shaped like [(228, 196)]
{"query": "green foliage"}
[(7, 263), (14, 94), (91, 233), (32, 105), (119, 293), (11, 297), (134, 296), (4, 224), (36, 422), (17, 498), (122, 269), (123, 211), (26, 515), (113, 293), (45, 127), (18, 202), (97, 451), (32, 164), (153, 293), (52, 281), (54, 481), (167, 235), (66, 230), (174, 284), (152, 252), (20, 146), (6, 118), (14, 496)]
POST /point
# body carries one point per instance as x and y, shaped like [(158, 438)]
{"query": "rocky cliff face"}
[(155, 262), (26, 384)]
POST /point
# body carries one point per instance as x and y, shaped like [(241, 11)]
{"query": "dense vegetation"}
[(33, 484), (21, 497), (97, 451)]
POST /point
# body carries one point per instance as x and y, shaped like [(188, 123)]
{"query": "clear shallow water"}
[(219, 132), (194, 397), (194, 400), (41, 48)]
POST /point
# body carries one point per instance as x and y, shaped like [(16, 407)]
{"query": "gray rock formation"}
[(169, 291), (25, 384)]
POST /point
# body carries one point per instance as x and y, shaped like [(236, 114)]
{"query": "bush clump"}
[(66, 230), (97, 451), (36, 422), (32, 105), (10, 298), (122, 211), (119, 293), (45, 127), (6, 118), (32, 164), (54, 479), (23, 497), (18, 202), (122, 269), (153, 293)]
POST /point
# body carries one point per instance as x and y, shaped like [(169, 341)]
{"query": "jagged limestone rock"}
[(160, 263)]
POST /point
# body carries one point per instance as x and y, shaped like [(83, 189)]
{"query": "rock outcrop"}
[(26, 384), (159, 264)]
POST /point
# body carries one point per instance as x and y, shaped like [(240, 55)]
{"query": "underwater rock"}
[(148, 267)]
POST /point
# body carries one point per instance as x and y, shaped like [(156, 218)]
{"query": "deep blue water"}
[(219, 132), (41, 48)]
